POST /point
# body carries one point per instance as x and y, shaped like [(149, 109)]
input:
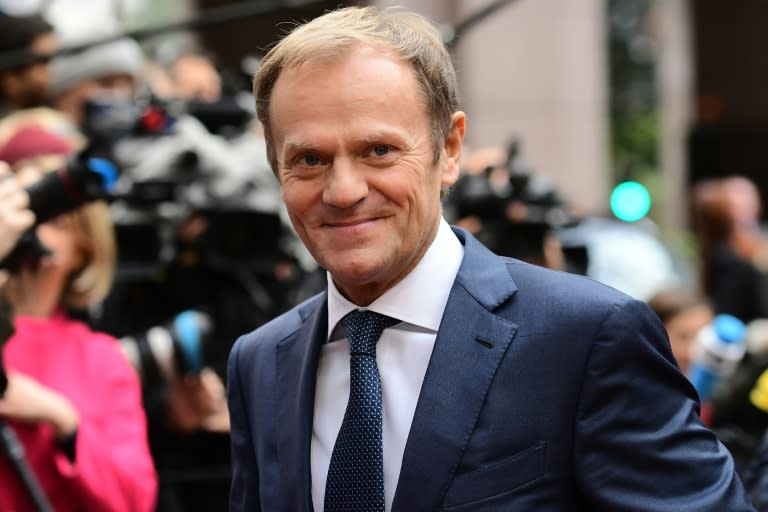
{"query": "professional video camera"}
[(174, 166), (109, 118), (511, 209), (198, 220)]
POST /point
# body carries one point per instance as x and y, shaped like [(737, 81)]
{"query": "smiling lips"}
[(349, 225)]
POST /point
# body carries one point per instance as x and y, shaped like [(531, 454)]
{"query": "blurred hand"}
[(198, 402), (34, 291), (15, 218), (28, 401)]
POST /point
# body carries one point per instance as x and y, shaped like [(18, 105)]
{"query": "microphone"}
[(81, 180), (174, 348), (718, 350)]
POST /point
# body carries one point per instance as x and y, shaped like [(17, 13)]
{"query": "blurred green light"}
[(630, 201)]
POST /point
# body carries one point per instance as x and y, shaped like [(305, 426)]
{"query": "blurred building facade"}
[(730, 126)]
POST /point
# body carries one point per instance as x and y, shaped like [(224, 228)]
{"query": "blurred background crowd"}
[(619, 139)]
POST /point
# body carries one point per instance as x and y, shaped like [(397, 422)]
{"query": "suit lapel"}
[(470, 345), (297, 357)]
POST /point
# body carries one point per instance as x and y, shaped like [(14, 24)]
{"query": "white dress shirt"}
[(402, 355)]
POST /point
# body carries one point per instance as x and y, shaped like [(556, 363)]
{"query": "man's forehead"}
[(329, 57)]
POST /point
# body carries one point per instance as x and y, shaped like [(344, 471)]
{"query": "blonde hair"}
[(408, 35), (95, 235)]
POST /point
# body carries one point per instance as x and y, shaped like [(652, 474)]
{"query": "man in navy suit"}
[(501, 386)]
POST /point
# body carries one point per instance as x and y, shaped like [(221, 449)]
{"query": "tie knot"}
[(364, 329)]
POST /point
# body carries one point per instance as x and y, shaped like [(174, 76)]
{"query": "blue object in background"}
[(719, 348)]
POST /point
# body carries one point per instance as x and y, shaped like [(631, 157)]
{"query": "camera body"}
[(84, 178), (198, 220), (508, 207)]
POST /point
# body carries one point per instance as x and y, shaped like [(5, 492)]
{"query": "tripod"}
[(15, 452), (9, 442)]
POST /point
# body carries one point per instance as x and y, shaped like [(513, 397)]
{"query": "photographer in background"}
[(195, 77), (98, 88), (510, 208), (733, 250), (111, 70), (72, 398), (26, 44)]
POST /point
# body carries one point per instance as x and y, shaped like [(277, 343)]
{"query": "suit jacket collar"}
[(470, 345), (297, 358), (483, 274)]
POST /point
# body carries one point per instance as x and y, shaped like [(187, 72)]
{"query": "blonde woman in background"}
[(72, 397)]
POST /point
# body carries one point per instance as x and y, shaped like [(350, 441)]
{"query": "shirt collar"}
[(421, 296)]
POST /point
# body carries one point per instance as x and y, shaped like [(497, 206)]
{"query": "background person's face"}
[(355, 160), (33, 82), (683, 329)]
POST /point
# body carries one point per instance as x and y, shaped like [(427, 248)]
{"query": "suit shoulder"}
[(532, 278), (572, 299)]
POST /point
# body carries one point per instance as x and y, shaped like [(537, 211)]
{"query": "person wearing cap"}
[(72, 398), (111, 70), (26, 45)]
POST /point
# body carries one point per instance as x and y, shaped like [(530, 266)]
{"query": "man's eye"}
[(310, 160), (381, 150)]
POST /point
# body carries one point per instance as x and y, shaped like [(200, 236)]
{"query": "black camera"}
[(109, 119), (512, 208), (83, 179)]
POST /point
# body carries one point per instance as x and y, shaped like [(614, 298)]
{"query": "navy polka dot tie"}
[(356, 472)]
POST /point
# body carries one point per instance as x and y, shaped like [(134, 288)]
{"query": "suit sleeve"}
[(244, 492), (113, 468), (639, 442)]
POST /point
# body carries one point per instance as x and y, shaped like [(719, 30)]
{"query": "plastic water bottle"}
[(718, 350)]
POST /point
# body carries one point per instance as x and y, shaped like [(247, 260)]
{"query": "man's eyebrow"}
[(378, 136), (291, 146)]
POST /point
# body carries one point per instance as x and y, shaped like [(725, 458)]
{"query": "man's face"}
[(116, 87), (33, 81), (356, 164)]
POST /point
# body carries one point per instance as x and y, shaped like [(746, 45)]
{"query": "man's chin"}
[(357, 276)]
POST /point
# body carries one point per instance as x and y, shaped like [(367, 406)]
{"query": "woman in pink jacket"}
[(72, 398)]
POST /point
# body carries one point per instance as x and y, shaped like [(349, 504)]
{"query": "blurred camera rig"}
[(509, 208), (197, 219)]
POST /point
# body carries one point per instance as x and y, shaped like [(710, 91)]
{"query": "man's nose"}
[(346, 184)]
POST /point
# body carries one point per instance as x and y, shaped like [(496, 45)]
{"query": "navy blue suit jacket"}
[(545, 392)]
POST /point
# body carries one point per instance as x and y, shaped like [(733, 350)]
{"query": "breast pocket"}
[(498, 478)]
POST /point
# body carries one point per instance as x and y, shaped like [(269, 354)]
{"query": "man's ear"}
[(452, 148)]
